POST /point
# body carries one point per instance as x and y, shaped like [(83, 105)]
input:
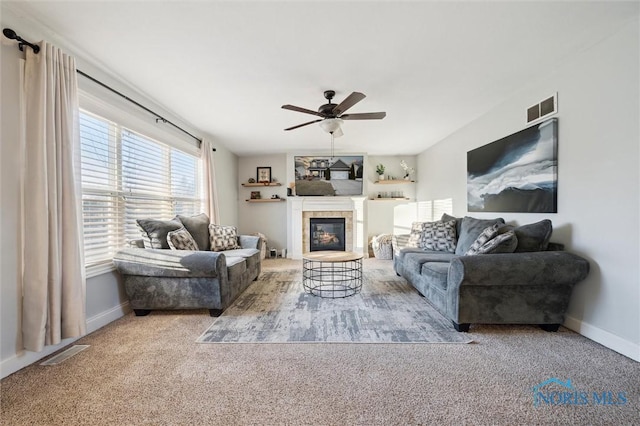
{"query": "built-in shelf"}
[(393, 182), (266, 200), (389, 199), (256, 185)]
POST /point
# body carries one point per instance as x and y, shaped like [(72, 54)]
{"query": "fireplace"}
[(327, 233), (302, 209)]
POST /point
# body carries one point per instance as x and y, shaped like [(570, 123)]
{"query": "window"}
[(128, 176)]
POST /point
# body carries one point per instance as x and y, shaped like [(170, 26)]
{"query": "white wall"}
[(268, 218), (381, 212), (105, 297), (598, 179)]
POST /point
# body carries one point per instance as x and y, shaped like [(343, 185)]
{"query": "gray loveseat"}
[(158, 277), (526, 281)]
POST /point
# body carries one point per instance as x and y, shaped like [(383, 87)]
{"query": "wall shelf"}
[(258, 185), (389, 199), (393, 182), (266, 200)]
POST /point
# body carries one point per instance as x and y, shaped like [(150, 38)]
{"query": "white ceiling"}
[(227, 67)]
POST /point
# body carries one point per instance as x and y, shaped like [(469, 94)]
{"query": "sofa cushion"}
[(244, 253), (487, 234), (502, 243), (447, 217), (198, 227), (469, 231), (436, 273), (154, 232), (236, 266), (413, 261), (223, 237), (534, 236), (439, 236), (181, 240)]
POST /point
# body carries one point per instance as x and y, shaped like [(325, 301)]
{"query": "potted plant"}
[(407, 170), (380, 171)]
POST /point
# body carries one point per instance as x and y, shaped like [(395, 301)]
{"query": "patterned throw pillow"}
[(487, 234), (503, 243), (415, 235), (181, 240), (439, 236), (223, 237)]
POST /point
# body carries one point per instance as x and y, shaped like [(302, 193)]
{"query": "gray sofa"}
[(528, 281), (162, 278)]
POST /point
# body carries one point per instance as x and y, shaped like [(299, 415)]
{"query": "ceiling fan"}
[(334, 114)]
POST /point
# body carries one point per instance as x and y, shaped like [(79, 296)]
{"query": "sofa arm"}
[(249, 241), (170, 263), (518, 269)]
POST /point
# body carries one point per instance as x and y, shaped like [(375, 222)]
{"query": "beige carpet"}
[(149, 370)]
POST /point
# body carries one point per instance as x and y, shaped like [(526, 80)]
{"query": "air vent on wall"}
[(544, 108)]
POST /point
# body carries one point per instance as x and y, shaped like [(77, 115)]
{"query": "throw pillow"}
[(534, 237), (447, 217), (223, 237), (439, 236), (502, 243), (154, 232), (181, 240), (415, 234), (198, 227), (487, 234), (470, 229)]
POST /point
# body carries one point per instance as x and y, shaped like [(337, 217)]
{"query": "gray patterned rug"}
[(275, 309)]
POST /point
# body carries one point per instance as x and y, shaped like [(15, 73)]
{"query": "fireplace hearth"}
[(327, 233)]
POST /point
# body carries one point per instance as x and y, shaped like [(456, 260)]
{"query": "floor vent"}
[(64, 355)]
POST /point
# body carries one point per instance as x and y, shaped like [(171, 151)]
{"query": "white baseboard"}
[(605, 338), (26, 358)]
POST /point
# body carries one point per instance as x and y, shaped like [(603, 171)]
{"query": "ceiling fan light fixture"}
[(332, 125)]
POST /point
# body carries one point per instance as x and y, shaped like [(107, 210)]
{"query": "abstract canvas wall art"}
[(518, 173)]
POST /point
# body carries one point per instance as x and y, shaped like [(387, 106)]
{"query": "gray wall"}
[(598, 201)]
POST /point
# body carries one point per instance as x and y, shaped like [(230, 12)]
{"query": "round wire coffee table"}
[(332, 274)]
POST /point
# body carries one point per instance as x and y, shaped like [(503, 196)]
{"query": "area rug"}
[(276, 309)]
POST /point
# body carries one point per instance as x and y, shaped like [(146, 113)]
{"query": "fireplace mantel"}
[(297, 224)]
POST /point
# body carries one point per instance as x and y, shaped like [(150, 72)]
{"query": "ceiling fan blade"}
[(299, 109), (350, 101), (365, 116), (303, 124)]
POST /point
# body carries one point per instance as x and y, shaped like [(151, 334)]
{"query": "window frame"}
[(121, 121)]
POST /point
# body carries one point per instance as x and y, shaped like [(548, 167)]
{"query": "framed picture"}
[(324, 175), (263, 174), (255, 195), (518, 173)]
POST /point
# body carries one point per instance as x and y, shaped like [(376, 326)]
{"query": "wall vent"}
[(544, 108)]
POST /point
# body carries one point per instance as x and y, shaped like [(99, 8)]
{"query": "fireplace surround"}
[(301, 209)]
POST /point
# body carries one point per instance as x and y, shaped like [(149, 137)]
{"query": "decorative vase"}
[(406, 177), (380, 177)]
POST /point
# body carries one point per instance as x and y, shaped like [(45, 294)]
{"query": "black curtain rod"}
[(9, 33)]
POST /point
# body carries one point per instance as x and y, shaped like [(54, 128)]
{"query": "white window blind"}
[(127, 176)]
